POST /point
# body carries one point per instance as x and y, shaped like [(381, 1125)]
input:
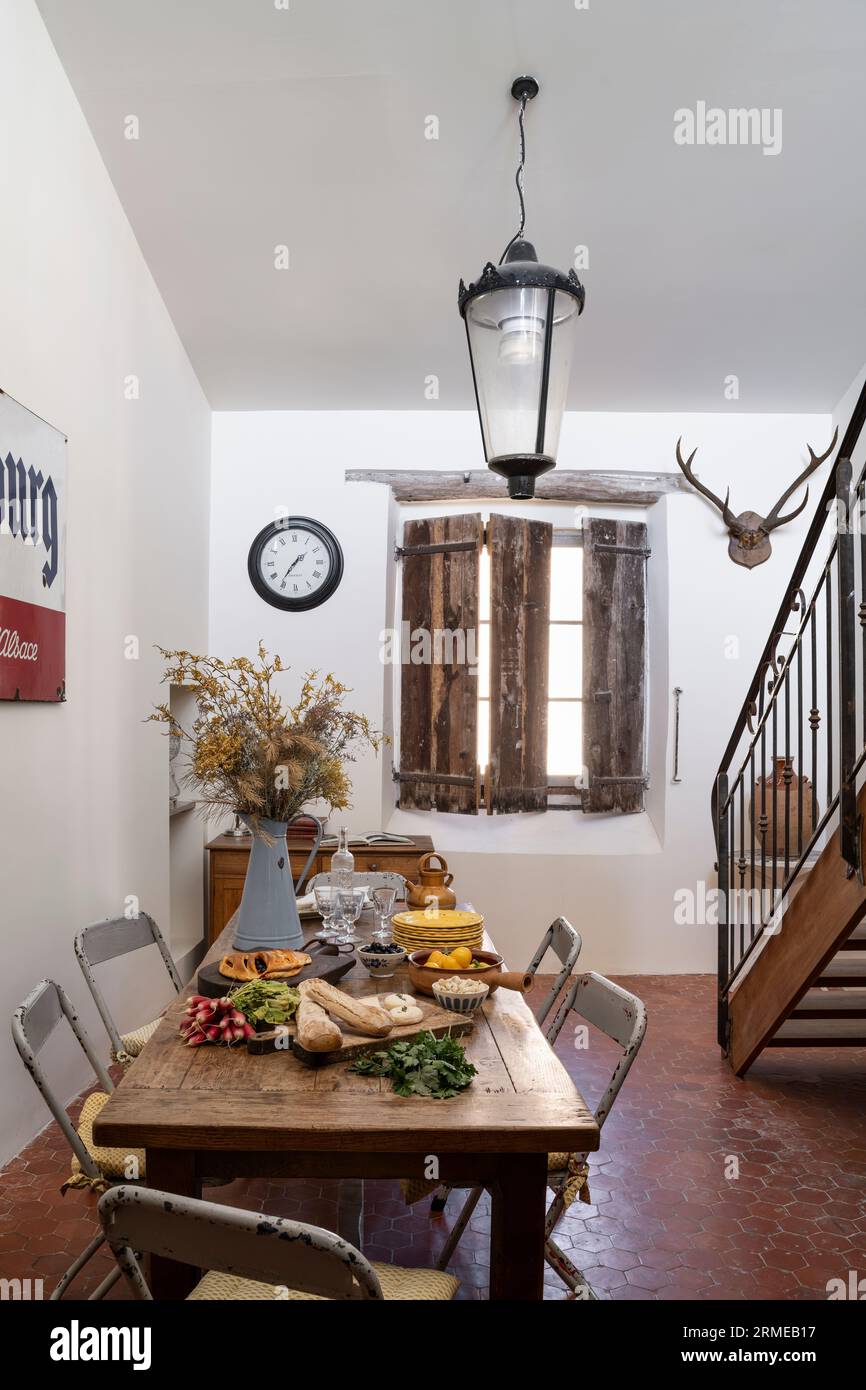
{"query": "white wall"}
[(84, 785), (709, 619)]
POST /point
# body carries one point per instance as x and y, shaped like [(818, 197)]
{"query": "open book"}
[(377, 837)]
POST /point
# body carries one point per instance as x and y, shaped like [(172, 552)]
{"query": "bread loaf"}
[(361, 1018), (316, 1032), (239, 965)]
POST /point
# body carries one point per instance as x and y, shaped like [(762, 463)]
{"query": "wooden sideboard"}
[(228, 856)]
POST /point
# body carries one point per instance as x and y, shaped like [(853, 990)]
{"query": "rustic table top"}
[(207, 1098)]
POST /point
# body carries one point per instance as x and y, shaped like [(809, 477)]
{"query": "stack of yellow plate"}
[(423, 930)]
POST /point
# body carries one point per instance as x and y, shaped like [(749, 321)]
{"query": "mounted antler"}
[(750, 533), (728, 517), (815, 460)]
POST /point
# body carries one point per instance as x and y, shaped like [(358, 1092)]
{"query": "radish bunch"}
[(213, 1021)]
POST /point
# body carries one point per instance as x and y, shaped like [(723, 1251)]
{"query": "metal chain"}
[(518, 179)]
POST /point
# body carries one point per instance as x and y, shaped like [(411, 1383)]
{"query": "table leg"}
[(172, 1170), (350, 1205), (519, 1195)]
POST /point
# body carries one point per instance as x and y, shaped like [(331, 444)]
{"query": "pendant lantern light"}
[(520, 319)]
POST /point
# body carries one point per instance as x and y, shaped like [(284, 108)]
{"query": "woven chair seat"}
[(112, 1163), (411, 1285), (568, 1172), (569, 1176), (133, 1043)]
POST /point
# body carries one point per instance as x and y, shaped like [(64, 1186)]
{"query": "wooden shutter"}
[(614, 663), (519, 641), (439, 698)]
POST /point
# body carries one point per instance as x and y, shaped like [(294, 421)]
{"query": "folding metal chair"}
[(33, 1022), (622, 1017), (118, 936), (249, 1256), (565, 941)]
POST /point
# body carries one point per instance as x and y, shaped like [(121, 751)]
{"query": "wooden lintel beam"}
[(617, 487)]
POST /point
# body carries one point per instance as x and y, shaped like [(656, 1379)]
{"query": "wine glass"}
[(349, 907), (383, 899), (326, 904)]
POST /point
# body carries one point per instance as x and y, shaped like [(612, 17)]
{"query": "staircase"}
[(792, 918)]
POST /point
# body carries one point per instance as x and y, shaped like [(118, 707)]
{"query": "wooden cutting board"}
[(436, 1020), (324, 966)]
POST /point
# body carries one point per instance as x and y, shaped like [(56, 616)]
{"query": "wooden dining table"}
[(221, 1112)]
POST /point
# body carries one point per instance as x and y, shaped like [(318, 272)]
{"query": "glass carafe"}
[(343, 863)]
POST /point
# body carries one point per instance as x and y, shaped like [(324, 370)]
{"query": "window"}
[(522, 664), (564, 670)]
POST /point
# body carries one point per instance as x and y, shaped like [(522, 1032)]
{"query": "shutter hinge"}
[(436, 778), (625, 549), (642, 778), (436, 548)]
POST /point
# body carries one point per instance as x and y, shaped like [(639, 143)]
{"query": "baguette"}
[(362, 1018), (316, 1032)]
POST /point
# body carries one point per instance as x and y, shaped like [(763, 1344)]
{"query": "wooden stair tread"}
[(843, 1029), (831, 1003), (849, 966)]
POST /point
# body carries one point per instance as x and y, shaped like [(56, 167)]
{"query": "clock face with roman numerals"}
[(295, 563)]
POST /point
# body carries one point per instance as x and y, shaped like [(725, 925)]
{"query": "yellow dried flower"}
[(247, 752)]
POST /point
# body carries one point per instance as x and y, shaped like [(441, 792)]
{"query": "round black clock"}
[(295, 563)]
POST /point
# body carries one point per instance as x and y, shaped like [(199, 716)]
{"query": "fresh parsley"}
[(424, 1066)]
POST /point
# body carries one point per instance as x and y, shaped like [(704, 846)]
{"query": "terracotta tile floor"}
[(666, 1223)]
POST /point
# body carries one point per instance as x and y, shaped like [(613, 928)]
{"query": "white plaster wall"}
[(84, 785), (614, 877)]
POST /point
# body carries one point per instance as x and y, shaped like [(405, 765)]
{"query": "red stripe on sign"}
[(32, 651)]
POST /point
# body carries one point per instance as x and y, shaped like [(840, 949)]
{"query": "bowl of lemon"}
[(426, 967)]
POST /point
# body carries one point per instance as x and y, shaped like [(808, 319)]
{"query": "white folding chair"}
[(621, 1017), (33, 1023), (565, 941), (249, 1256), (118, 936)]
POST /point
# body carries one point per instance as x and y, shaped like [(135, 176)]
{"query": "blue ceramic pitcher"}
[(268, 914)]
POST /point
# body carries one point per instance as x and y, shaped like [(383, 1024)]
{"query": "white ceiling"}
[(261, 126)]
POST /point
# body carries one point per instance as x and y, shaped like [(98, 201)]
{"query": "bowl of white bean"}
[(459, 994)]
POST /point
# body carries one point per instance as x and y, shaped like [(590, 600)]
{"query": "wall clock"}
[(295, 563)]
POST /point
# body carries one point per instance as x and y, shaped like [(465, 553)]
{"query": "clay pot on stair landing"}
[(799, 789)]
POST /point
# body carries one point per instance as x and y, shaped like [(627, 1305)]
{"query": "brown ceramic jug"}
[(799, 797), (433, 886)]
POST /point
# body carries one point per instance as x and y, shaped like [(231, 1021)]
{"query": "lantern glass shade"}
[(521, 340)]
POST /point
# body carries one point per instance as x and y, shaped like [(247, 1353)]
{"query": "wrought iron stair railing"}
[(805, 711)]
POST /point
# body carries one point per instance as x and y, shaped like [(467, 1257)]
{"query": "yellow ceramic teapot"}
[(433, 886)]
